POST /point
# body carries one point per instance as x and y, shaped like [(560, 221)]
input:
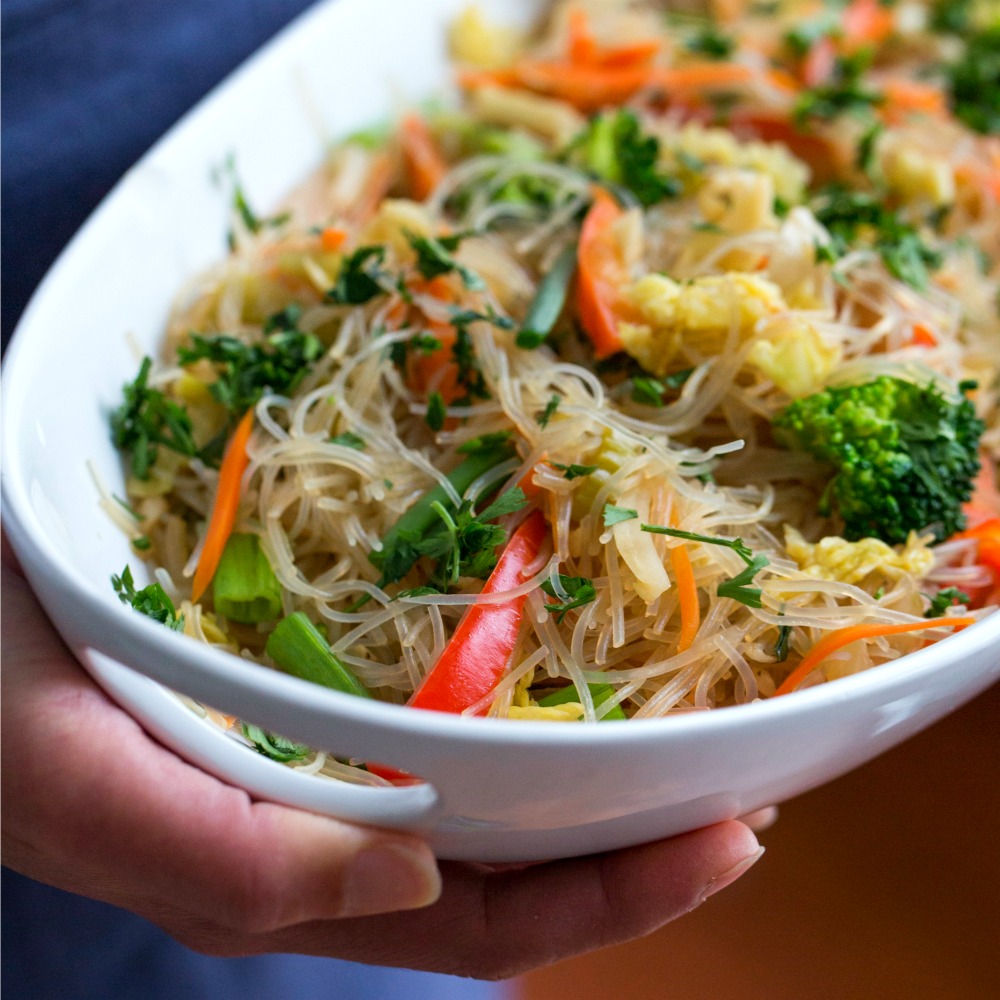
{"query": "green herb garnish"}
[(576, 592), (152, 601)]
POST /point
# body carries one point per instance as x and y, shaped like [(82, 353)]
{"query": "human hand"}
[(94, 805)]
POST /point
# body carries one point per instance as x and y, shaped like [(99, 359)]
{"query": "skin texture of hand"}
[(95, 806)]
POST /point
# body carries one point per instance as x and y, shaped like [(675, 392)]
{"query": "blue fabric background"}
[(87, 87)]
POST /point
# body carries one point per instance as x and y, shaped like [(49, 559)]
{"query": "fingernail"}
[(389, 877), (730, 876)]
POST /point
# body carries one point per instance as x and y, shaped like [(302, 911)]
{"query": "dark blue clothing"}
[(87, 86), (62, 947)]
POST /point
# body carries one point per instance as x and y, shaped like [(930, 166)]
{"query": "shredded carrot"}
[(423, 162), (582, 44), (845, 636), (332, 238), (923, 336), (586, 87), (687, 594), (225, 507), (905, 97), (584, 50)]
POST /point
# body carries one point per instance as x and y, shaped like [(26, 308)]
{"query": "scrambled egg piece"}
[(792, 353), (835, 558), (571, 711), (478, 42), (522, 707), (719, 147), (916, 176), (702, 310)]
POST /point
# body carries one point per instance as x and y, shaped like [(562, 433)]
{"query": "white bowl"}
[(495, 790)]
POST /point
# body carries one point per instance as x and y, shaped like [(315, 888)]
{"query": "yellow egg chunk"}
[(719, 147), (701, 311), (476, 41), (794, 356), (916, 176), (572, 711), (835, 558)]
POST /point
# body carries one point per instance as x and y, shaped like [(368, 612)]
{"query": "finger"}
[(94, 805), (761, 819), (496, 925)]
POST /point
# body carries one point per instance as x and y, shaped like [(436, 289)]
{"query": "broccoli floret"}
[(614, 148), (904, 455)]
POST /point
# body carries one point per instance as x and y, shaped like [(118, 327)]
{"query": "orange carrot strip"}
[(845, 636), (470, 79), (687, 594), (600, 271), (227, 502), (923, 336), (586, 87), (904, 97), (632, 54), (582, 47), (332, 238), (424, 164), (701, 76)]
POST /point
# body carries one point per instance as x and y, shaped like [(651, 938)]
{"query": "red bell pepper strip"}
[(600, 273), (476, 657), (987, 536)]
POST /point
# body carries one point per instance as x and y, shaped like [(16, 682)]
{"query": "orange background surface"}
[(884, 885)]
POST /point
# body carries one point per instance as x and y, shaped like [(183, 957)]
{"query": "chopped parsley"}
[(252, 222), (615, 515), (349, 440), (147, 419), (152, 601), (711, 42), (465, 543), (614, 149), (574, 471), (846, 93), (857, 217), (544, 416), (576, 591), (650, 391), (436, 411), (974, 82), (247, 371), (739, 588), (944, 599), (359, 279), (781, 646), (435, 257)]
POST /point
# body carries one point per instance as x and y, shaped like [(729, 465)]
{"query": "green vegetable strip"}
[(599, 692), (245, 587), (297, 647), (397, 554), (549, 300)]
